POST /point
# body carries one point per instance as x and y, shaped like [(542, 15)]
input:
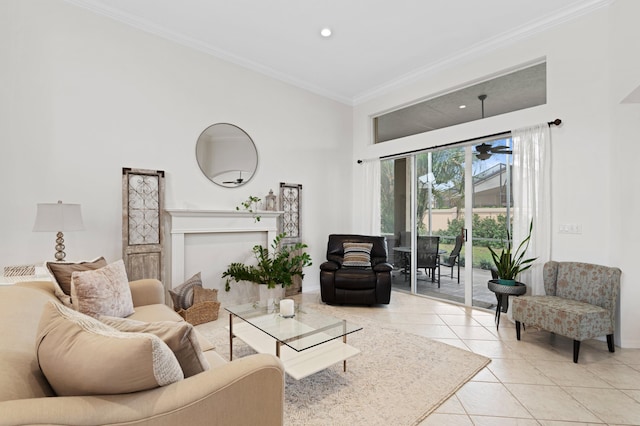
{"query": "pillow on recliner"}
[(357, 254)]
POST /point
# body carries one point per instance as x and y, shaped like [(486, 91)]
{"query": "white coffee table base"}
[(297, 364)]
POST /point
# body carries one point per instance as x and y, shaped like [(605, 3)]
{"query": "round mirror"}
[(226, 155)]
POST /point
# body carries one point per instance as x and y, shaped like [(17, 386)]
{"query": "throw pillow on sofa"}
[(79, 355), (104, 291), (182, 295), (180, 336), (61, 274)]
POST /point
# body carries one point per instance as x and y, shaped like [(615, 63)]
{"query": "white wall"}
[(591, 65), (623, 194), (84, 96)]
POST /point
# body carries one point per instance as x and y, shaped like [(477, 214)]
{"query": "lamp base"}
[(60, 254)]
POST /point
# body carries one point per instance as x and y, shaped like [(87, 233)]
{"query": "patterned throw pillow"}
[(104, 291), (180, 336), (61, 273), (79, 355), (182, 295), (357, 254)]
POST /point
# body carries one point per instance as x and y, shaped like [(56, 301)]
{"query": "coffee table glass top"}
[(305, 330)]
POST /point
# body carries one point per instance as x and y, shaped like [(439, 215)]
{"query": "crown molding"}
[(151, 28), (486, 46), (477, 50)]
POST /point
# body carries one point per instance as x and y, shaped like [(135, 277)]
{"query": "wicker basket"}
[(19, 270), (201, 312)]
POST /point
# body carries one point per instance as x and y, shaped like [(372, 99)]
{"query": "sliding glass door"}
[(440, 209), (439, 219), (396, 204), (491, 212)]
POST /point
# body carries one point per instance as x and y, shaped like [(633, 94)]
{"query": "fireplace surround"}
[(185, 223)]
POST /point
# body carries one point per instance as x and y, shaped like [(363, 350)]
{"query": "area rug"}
[(397, 379)]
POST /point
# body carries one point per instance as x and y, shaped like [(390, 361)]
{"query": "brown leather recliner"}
[(356, 285)]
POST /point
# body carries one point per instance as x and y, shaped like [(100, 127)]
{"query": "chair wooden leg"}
[(518, 330), (612, 347), (576, 350)]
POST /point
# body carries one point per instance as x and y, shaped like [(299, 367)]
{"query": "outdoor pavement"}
[(449, 288)]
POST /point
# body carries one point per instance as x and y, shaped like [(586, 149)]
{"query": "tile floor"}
[(529, 382)]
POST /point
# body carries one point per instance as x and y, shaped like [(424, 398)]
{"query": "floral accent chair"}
[(580, 303)]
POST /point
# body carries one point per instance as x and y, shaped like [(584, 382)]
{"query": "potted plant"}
[(276, 267), (251, 205), (508, 264)]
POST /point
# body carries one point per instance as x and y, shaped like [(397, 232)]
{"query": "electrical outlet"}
[(570, 228)]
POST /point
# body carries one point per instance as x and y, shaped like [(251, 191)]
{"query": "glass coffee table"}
[(306, 343)]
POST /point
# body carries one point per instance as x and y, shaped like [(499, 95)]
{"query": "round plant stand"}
[(502, 294)]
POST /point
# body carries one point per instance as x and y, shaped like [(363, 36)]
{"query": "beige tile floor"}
[(529, 382)]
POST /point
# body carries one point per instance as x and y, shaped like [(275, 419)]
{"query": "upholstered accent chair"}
[(356, 271), (580, 303)]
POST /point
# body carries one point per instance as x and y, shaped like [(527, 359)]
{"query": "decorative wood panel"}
[(142, 223), (290, 204)]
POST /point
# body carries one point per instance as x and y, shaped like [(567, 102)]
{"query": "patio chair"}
[(428, 257), (454, 257), (399, 257), (405, 239)]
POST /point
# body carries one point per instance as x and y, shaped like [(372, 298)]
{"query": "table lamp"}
[(58, 217)]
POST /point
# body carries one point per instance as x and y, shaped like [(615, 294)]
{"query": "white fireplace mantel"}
[(188, 221)]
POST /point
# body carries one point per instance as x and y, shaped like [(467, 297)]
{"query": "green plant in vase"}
[(274, 267), (251, 205), (508, 264)]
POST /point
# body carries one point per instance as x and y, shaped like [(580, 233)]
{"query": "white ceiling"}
[(376, 44)]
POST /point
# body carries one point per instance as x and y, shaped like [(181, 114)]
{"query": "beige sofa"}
[(249, 390)]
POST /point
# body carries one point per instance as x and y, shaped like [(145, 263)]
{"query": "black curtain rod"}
[(555, 122)]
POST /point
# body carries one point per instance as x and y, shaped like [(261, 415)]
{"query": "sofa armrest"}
[(147, 292), (219, 396)]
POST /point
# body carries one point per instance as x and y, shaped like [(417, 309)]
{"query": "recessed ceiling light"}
[(325, 32), (462, 106)]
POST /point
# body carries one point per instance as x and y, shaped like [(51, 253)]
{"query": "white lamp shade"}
[(58, 217)]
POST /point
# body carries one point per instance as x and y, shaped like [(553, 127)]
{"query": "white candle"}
[(286, 308)]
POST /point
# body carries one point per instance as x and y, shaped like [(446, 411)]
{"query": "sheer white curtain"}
[(370, 219), (531, 177)]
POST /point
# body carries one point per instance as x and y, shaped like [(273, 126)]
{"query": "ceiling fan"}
[(484, 150), (237, 181)]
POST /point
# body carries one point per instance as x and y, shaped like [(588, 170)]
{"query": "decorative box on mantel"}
[(183, 222)]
